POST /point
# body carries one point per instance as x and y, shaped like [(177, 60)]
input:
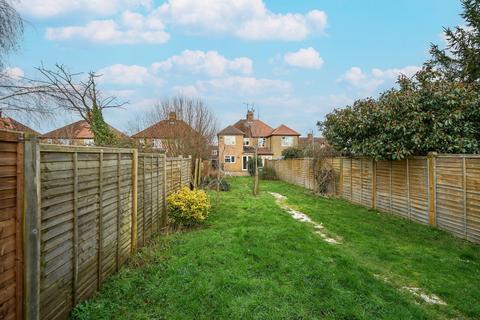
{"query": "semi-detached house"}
[(237, 143)]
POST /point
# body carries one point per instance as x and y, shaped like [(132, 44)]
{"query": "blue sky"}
[(295, 60)]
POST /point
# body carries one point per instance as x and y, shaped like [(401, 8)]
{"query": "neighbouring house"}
[(310, 140), (172, 135), (213, 156), (76, 134), (237, 143), (8, 123)]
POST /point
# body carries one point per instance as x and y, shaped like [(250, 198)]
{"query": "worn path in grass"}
[(253, 261)]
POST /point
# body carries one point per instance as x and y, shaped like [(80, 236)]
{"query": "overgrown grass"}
[(253, 261)]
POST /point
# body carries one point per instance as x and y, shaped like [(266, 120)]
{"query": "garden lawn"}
[(252, 260)]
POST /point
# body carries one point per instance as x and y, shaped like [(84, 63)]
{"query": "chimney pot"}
[(250, 116), (172, 116)]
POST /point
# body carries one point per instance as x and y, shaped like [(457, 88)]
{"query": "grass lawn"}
[(252, 260)]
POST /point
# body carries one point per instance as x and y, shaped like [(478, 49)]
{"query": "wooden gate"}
[(11, 209)]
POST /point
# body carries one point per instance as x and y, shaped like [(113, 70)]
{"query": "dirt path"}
[(302, 217)]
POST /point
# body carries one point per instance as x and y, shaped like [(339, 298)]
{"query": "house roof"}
[(283, 130), (7, 123), (254, 128), (231, 131), (318, 140), (165, 129), (78, 130)]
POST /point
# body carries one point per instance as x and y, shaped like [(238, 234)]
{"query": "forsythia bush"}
[(187, 207)]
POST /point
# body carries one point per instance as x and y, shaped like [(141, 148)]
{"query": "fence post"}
[(432, 212), (465, 196), (119, 210), (100, 222), (408, 190), (374, 184), (133, 236), (164, 211), (31, 226), (75, 229), (340, 188)]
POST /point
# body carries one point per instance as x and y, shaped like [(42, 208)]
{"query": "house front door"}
[(245, 162)]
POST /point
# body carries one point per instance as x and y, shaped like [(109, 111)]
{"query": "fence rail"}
[(85, 211), (439, 190)]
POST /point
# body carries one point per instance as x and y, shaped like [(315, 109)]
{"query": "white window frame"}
[(157, 143), (230, 158), (89, 142), (283, 141), (141, 141), (65, 142), (50, 141), (246, 141), (214, 152), (245, 160), (230, 140), (262, 142)]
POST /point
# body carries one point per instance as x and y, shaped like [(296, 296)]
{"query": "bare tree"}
[(58, 89), (193, 138), (11, 28)]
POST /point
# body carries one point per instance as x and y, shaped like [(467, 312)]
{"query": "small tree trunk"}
[(255, 163)]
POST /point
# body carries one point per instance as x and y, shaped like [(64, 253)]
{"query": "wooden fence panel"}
[(85, 197), (11, 209), (383, 186), (472, 195), (356, 180), (418, 179), (450, 202), (400, 199), (346, 178)]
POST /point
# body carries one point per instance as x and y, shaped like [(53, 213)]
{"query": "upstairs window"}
[(229, 140), (157, 143), (214, 152), (246, 141), (262, 142), (88, 142), (287, 141)]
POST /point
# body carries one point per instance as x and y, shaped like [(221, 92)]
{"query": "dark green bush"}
[(293, 153)]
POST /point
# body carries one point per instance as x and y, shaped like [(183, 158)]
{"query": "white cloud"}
[(304, 58), (133, 28), (241, 86), (210, 63), (190, 90), (128, 75), (13, 72), (51, 8), (369, 82), (247, 19)]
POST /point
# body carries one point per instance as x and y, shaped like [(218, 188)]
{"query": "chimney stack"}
[(250, 116), (310, 137), (172, 116)]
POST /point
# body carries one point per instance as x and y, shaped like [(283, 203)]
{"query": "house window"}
[(49, 141), (229, 159), (246, 141), (65, 142), (262, 142), (229, 140), (287, 141), (142, 141), (157, 143), (214, 152), (88, 142)]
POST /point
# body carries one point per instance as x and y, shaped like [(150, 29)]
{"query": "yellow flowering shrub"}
[(188, 207)]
